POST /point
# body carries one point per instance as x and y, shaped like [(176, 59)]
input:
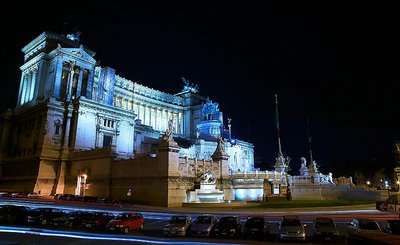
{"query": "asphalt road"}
[(156, 218)]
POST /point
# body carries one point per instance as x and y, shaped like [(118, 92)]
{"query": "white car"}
[(34, 195), (291, 228)]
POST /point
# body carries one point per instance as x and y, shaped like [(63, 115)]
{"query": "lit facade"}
[(69, 108)]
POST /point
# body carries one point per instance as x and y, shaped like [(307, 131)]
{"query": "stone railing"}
[(259, 174), (193, 167), (293, 180)]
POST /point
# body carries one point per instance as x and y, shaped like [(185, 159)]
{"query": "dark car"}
[(363, 225), (256, 227), (325, 229), (97, 220), (67, 197), (228, 226), (42, 216), (393, 226), (70, 220), (12, 214)]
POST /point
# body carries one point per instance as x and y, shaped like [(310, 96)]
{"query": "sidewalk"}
[(247, 207)]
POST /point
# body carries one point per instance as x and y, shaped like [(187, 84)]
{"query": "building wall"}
[(76, 121)]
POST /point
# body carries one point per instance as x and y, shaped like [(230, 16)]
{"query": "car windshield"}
[(122, 217), (177, 220), (324, 223), (291, 222), (203, 220), (255, 221), (368, 225), (228, 220)]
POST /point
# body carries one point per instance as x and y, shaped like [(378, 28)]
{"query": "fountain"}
[(208, 193)]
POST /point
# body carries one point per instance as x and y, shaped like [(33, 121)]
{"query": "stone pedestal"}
[(207, 194)]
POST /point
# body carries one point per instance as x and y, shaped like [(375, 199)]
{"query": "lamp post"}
[(398, 185), (368, 184)]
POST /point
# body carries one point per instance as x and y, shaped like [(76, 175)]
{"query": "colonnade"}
[(153, 116), (28, 85)]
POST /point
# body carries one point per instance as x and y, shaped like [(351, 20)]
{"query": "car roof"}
[(255, 217), (322, 218), (291, 216)]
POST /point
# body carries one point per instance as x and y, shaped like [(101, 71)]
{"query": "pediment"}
[(78, 53)]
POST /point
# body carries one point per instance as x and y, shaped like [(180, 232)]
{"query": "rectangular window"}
[(107, 140)]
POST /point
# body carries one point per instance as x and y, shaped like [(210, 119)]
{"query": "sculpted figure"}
[(303, 162)]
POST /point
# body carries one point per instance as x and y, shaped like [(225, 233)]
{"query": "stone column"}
[(78, 90), (33, 84), (180, 123), (57, 81), (166, 119), (27, 87), (21, 89), (157, 121), (70, 81), (89, 88), (150, 119), (139, 114)]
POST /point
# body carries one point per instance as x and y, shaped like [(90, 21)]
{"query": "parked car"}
[(5, 193), (291, 228), (228, 226), (34, 195), (13, 214), (126, 222), (67, 197), (362, 225), (97, 220), (203, 225), (19, 194), (256, 227), (393, 226), (178, 225), (42, 216), (325, 229), (70, 220)]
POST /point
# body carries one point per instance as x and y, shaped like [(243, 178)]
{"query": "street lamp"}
[(398, 186), (368, 184)]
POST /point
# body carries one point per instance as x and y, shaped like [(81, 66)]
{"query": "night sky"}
[(337, 64)]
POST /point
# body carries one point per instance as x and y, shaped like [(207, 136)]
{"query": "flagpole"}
[(277, 126), (309, 139)]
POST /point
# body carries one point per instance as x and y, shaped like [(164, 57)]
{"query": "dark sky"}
[(336, 63)]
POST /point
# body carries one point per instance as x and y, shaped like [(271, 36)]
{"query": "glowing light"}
[(91, 236)]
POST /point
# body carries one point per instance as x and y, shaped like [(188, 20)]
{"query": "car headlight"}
[(232, 230)]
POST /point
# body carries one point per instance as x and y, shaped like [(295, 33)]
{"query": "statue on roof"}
[(188, 87), (74, 36), (210, 111), (168, 133)]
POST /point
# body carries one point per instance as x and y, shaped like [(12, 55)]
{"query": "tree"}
[(359, 178)]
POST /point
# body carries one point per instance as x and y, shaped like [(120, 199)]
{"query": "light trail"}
[(82, 235)]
